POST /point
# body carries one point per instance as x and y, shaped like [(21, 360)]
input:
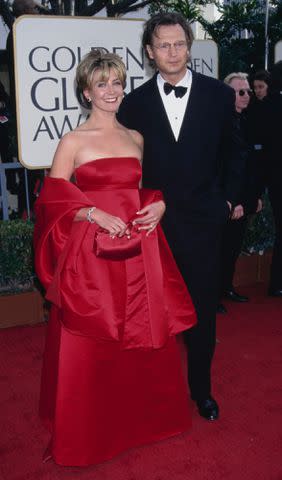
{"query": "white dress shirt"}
[(175, 107)]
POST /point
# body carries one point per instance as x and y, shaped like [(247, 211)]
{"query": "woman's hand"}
[(152, 214), (114, 225)]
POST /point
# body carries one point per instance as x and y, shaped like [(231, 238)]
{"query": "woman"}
[(258, 114), (265, 129), (261, 84), (112, 374)]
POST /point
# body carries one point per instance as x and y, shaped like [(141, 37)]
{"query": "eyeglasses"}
[(165, 47), (243, 92)]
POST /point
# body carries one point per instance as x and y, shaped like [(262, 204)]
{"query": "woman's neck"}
[(101, 119)]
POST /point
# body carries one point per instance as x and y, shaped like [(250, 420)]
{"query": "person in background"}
[(265, 115), (4, 123), (19, 8), (276, 77), (34, 177), (250, 196), (273, 147), (258, 118), (261, 84), (5, 137), (191, 153)]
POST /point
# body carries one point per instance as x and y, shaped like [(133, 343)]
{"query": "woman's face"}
[(105, 95), (260, 89)]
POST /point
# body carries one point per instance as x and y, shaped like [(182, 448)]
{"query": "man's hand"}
[(238, 212), (259, 206)]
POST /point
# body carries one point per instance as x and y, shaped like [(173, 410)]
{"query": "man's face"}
[(242, 89), (169, 51)]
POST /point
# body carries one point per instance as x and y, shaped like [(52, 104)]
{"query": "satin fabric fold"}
[(112, 375)]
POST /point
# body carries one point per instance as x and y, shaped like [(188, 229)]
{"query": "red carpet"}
[(245, 444)]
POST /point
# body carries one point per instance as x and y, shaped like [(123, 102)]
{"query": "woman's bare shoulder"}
[(63, 161), (73, 138), (69, 138)]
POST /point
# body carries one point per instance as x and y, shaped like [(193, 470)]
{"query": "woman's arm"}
[(63, 166), (63, 162)]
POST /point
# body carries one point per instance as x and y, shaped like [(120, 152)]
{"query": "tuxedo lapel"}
[(196, 106)]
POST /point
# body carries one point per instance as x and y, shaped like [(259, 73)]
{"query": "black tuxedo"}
[(196, 174)]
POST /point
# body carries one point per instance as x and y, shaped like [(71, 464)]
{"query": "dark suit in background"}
[(251, 191), (265, 131), (273, 149), (197, 175)]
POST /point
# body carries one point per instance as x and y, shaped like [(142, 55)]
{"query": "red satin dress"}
[(112, 374)]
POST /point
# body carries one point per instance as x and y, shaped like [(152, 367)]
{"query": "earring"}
[(89, 100)]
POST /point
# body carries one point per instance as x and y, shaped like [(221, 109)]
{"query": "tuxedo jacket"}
[(200, 171)]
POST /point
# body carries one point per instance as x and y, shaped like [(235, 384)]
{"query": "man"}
[(250, 195), (186, 120)]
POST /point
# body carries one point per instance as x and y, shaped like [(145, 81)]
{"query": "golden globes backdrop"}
[(47, 52), (278, 51)]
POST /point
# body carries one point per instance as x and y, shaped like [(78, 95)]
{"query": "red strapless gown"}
[(112, 375)]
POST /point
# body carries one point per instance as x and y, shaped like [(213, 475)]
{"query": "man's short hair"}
[(235, 75), (165, 19)]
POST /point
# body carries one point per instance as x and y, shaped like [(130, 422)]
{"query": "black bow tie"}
[(178, 91)]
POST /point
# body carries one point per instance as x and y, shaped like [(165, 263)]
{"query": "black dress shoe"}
[(275, 293), (208, 408), (221, 308), (235, 297)]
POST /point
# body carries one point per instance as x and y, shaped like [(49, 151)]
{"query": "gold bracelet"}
[(88, 215)]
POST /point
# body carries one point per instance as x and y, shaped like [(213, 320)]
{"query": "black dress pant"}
[(275, 196), (198, 262), (232, 240)]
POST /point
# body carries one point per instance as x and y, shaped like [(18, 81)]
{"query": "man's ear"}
[(150, 52)]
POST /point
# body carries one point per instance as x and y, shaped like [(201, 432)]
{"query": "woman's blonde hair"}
[(98, 60)]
